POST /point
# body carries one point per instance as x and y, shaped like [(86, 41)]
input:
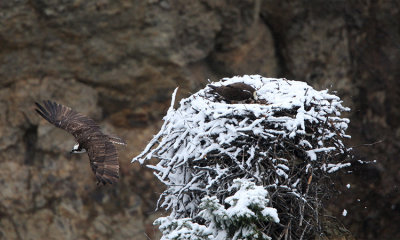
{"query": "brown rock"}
[(254, 56)]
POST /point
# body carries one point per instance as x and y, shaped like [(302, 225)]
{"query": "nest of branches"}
[(289, 141)]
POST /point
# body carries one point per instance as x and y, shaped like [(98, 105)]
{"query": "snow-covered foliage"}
[(242, 216), (182, 229), (245, 215), (288, 141)]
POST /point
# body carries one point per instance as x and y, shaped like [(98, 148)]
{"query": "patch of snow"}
[(344, 213), (249, 197)]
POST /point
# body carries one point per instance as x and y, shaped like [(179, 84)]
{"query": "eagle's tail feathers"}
[(105, 180)]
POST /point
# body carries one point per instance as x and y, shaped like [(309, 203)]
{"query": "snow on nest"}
[(200, 116), (289, 138)]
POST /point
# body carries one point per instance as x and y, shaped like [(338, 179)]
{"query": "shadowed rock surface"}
[(119, 61)]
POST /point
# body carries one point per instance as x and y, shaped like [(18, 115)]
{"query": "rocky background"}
[(119, 61)]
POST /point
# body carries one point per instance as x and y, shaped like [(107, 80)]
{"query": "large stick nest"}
[(289, 141)]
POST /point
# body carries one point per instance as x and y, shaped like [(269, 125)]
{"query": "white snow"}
[(344, 212), (183, 229), (242, 209), (334, 167), (249, 196)]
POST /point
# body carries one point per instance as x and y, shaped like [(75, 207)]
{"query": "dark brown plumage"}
[(235, 91), (99, 146)]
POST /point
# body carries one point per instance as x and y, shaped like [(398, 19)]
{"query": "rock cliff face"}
[(118, 62)]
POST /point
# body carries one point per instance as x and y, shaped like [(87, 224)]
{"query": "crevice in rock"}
[(5, 214), (279, 46), (30, 139)]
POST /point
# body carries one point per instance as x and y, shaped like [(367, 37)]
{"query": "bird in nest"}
[(236, 92), (99, 146)]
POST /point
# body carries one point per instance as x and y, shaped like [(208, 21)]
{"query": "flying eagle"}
[(236, 91), (99, 146)]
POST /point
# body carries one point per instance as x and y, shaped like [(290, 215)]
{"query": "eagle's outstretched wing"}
[(102, 153), (103, 159), (67, 119)]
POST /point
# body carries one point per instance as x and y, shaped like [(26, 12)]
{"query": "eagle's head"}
[(78, 149)]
